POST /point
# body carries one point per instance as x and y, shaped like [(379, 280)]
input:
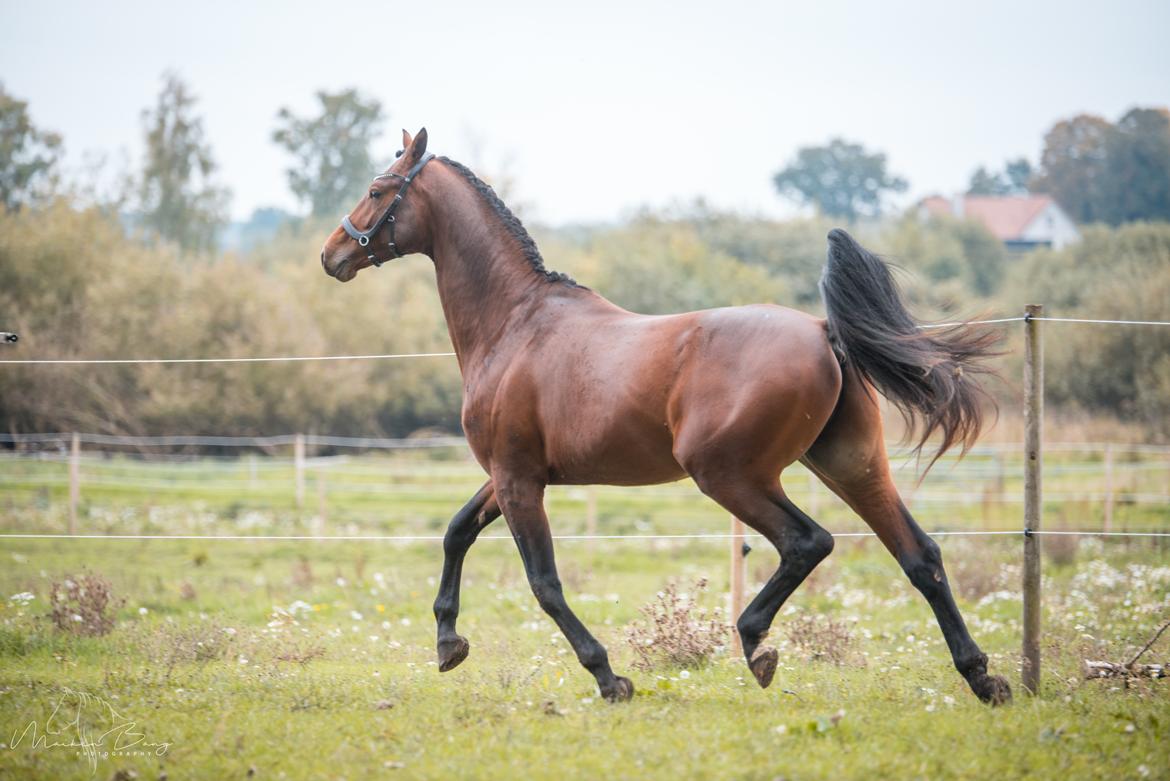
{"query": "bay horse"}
[(561, 386)]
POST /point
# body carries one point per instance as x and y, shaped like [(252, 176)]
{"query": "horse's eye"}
[(375, 194)]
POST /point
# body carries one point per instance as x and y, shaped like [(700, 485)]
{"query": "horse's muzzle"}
[(342, 270)]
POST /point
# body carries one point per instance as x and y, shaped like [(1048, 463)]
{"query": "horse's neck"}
[(486, 284)]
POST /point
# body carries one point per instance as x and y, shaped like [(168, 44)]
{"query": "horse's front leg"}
[(523, 504), (480, 511)]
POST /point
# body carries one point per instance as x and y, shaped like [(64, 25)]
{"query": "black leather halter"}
[(363, 237)]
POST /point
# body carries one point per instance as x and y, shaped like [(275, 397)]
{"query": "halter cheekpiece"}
[(387, 219)]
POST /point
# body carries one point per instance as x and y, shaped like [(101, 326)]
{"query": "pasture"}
[(299, 659)]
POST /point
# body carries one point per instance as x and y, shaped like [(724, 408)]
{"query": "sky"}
[(598, 109)]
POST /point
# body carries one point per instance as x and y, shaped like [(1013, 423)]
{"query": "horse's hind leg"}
[(850, 457), (479, 511), (523, 505), (801, 543)]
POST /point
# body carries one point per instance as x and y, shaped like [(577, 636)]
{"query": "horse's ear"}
[(405, 139), (420, 144)]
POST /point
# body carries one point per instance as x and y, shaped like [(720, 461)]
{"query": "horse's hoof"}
[(763, 665), (992, 689), (621, 690), (452, 652)]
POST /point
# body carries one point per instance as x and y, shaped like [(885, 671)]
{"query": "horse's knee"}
[(924, 568), (458, 538)]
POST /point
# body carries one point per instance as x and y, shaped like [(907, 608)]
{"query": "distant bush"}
[(1116, 274), (91, 288)]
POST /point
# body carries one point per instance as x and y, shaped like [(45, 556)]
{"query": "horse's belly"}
[(630, 457)]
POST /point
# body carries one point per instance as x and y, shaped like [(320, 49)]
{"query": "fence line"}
[(198, 440), (119, 460), (393, 356), (248, 484), (405, 443), (1096, 322), (270, 359)]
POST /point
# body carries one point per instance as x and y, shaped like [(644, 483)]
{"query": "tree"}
[(841, 180), (1073, 166), (1013, 180), (177, 197), (331, 150), (28, 156), (1100, 172), (984, 182), (1138, 153), (1019, 174)]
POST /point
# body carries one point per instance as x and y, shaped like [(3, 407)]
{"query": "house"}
[(1021, 222)]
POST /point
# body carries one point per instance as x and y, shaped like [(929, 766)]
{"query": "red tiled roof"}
[(1006, 216)]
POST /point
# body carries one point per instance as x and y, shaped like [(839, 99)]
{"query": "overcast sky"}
[(601, 109)]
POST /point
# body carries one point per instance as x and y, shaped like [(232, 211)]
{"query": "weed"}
[(302, 573), (676, 632), (82, 605), (1061, 549), (821, 638)]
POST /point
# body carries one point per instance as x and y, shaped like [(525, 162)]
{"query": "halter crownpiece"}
[(387, 218)]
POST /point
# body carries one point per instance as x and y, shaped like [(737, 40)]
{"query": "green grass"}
[(520, 706), (351, 690)]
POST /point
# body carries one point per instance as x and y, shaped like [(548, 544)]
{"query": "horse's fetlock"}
[(445, 607), (972, 665), (594, 658), (750, 627)]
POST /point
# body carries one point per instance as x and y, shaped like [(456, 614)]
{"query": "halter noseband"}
[(387, 218)]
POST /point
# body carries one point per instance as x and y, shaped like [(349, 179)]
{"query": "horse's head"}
[(388, 222)]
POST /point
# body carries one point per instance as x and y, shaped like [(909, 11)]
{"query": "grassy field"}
[(279, 659)]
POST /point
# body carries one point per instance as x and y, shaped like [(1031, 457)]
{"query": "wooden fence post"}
[(1033, 496), (737, 578), (322, 509), (299, 468), (74, 481), (1108, 523)]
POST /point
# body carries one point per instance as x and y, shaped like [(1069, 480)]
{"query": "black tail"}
[(928, 374)]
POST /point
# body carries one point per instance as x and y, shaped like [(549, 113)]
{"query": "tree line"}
[(138, 274)]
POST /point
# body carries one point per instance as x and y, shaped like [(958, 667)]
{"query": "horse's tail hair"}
[(931, 374)]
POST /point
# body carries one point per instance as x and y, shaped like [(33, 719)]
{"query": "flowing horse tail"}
[(930, 375)]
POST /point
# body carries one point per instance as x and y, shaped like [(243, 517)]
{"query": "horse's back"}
[(630, 398)]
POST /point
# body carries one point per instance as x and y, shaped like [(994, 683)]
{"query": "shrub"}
[(676, 631), (83, 605), (1061, 549), (821, 638)]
